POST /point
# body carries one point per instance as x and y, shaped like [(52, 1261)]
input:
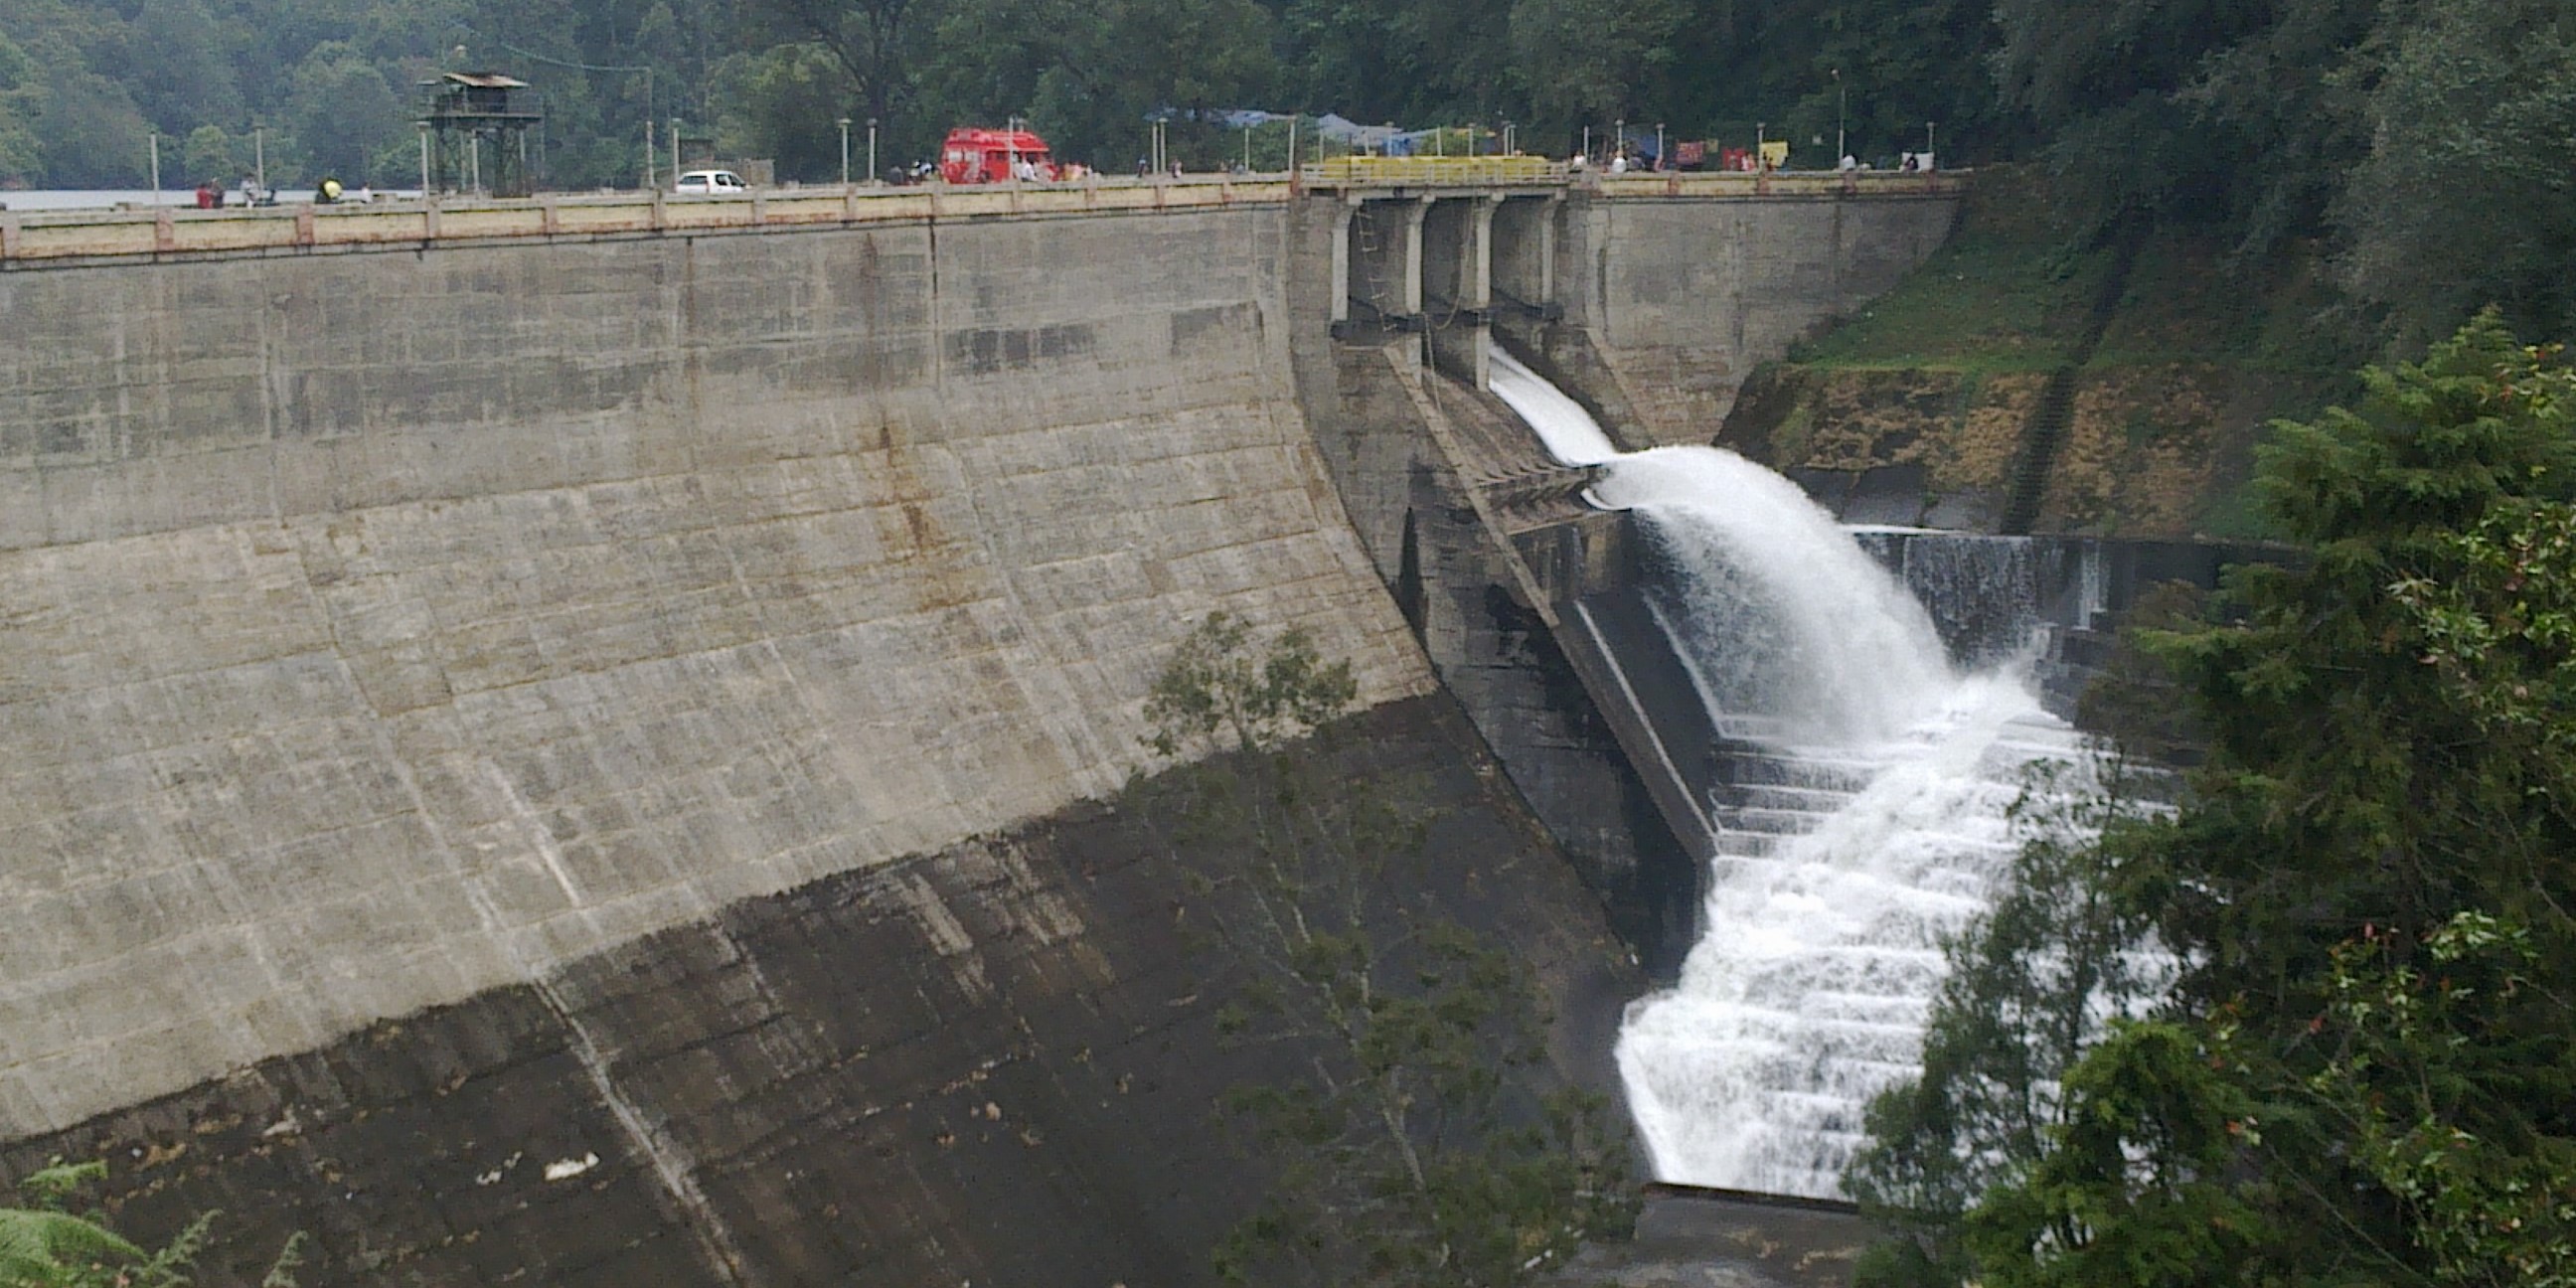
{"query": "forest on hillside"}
[(2428, 143)]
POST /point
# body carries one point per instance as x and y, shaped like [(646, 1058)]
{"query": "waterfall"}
[(1869, 813)]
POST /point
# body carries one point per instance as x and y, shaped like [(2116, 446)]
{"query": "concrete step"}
[(1775, 822), (1779, 796)]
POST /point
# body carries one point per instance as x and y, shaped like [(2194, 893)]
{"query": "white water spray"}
[(1571, 435), (1870, 814)]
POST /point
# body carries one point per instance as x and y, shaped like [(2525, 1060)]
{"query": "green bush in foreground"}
[(2367, 1071), (47, 1245)]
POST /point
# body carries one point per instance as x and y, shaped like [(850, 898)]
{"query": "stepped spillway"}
[(1868, 814)]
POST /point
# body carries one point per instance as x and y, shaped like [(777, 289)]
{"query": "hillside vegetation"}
[(2198, 350), (2365, 1073)]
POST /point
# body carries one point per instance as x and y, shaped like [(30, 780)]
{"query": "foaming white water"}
[(1808, 990), (1870, 814), (1782, 613), (1571, 435)]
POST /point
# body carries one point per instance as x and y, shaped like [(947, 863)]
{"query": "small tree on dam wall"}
[(1410, 1130)]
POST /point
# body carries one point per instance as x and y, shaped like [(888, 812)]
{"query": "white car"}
[(710, 181)]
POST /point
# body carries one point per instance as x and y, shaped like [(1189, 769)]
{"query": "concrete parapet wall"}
[(388, 628), (1681, 285), (51, 239)]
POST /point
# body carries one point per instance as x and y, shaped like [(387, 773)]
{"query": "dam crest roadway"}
[(31, 239)]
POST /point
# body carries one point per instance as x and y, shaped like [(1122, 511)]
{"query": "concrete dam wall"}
[(386, 628), (625, 707)]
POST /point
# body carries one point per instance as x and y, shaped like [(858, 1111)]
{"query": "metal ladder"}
[(1364, 234)]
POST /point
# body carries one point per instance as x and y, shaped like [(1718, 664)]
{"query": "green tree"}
[(2031, 984), (2134, 1187), (1133, 58), (47, 1245), (1424, 1146), (2208, 112), (879, 47), (343, 113), (21, 108), (2366, 1073), (178, 69), (2487, 1187), (782, 104), (210, 153), (1419, 62), (2460, 194), (1584, 60), (91, 135)]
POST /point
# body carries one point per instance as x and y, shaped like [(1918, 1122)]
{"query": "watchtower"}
[(474, 134)]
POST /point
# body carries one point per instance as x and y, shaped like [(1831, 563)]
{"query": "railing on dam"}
[(102, 234), (1722, 184), (1351, 173), (75, 236), (1433, 172)]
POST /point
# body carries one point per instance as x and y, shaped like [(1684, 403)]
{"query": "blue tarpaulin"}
[(1340, 129)]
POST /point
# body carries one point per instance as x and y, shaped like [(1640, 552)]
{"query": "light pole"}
[(675, 149), (1842, 116), (1760, 162), (844, 123), (1928, 149), (1620, 148), (424, 160), (1659, 147), (156, 167), (872, 149)]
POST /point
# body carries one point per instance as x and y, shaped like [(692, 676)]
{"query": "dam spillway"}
[(1876, 794)]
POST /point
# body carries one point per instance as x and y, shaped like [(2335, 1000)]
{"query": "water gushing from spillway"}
[(1869, 815)]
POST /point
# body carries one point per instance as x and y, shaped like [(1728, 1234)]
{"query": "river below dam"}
[(1870, 814)]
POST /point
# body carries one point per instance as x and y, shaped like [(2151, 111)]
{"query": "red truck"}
[(974, 155)]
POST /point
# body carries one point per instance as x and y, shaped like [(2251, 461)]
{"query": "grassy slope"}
[(2200, 354)]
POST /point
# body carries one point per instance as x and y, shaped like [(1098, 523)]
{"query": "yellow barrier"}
[(1424, 172)]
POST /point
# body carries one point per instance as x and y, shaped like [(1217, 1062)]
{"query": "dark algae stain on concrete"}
[(997, 1064)]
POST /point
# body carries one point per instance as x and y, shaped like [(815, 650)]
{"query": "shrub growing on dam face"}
[(48, 1245), (1411, 1133)]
